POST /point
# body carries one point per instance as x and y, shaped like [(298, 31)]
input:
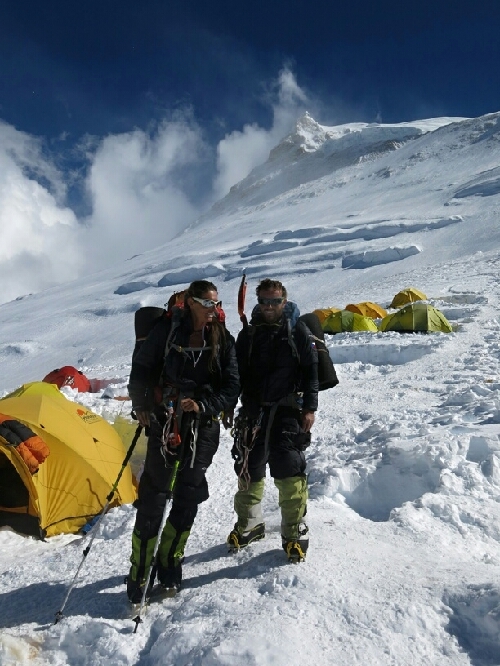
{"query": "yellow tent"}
[(409, 295), (348, 321), (416, 318), (126, 430), (72, 484), (367, 309), (324, 313)]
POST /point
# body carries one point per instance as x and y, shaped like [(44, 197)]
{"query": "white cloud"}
[(239, 152), (136, 188), (143, 188), (38, 244), (137, 199)]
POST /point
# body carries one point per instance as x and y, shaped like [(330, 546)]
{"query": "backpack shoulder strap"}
[(251, 333), (175, 322), (291, 341)]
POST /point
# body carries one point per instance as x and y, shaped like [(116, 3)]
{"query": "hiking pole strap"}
[(195, 426)]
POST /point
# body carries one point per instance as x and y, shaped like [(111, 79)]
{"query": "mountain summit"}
[(313, 151)]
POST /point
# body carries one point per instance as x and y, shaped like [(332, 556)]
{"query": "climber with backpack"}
[(184, 375), (278, 366)]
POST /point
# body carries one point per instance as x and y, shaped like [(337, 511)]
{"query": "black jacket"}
[(216, 390), (271, 367)]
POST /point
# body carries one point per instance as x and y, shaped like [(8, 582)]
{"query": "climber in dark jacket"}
[(183, 377), (278, 366)]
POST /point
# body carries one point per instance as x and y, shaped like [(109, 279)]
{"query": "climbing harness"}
[(245, 433)]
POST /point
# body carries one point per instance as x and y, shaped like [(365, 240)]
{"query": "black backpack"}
[(145, 320), (326, 370), (147, 317)]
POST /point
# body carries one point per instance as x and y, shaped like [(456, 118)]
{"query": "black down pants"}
[(191, 488), (283, 450)]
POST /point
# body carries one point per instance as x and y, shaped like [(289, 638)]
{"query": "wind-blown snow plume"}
[(143, 188), (138, 201), (243, 150), (138, 198)]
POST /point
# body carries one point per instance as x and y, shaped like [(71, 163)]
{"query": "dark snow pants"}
[(282, 447), (280, 442), (191, 488)]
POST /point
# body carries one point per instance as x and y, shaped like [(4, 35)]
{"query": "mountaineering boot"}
[(250, 524), (170, 577), (293, 503), (171, 556), (135, 589), (142, 554), (239, 539), (296, 549)]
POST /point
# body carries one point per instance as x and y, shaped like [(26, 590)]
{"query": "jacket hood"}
[(290, 311)]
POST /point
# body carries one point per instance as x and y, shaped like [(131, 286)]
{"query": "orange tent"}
[(367, 309)]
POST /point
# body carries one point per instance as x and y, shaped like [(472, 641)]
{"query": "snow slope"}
[(404, 469)]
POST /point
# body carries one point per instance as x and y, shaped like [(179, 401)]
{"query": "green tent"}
[(323, 313), (345, 320), (416, 317)]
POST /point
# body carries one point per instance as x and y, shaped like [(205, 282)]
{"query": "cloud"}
[(38, 243), (240, 151), (143, 188), (139, 190), (138, 199)]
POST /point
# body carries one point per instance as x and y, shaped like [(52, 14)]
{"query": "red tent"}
[(68, 376)]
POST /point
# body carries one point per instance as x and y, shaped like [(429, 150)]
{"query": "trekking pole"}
[(170, 493), (95, 528), (168, 503)]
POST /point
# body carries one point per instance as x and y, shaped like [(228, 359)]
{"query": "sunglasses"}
[(207, 302), (270, 301)]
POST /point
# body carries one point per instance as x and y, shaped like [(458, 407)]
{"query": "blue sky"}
[(122, 122), (105, 66)]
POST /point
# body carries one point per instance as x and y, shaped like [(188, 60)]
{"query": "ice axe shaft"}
[(242, 292)]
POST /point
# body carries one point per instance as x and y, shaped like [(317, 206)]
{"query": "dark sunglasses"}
[(270, 301), (207, 302)]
